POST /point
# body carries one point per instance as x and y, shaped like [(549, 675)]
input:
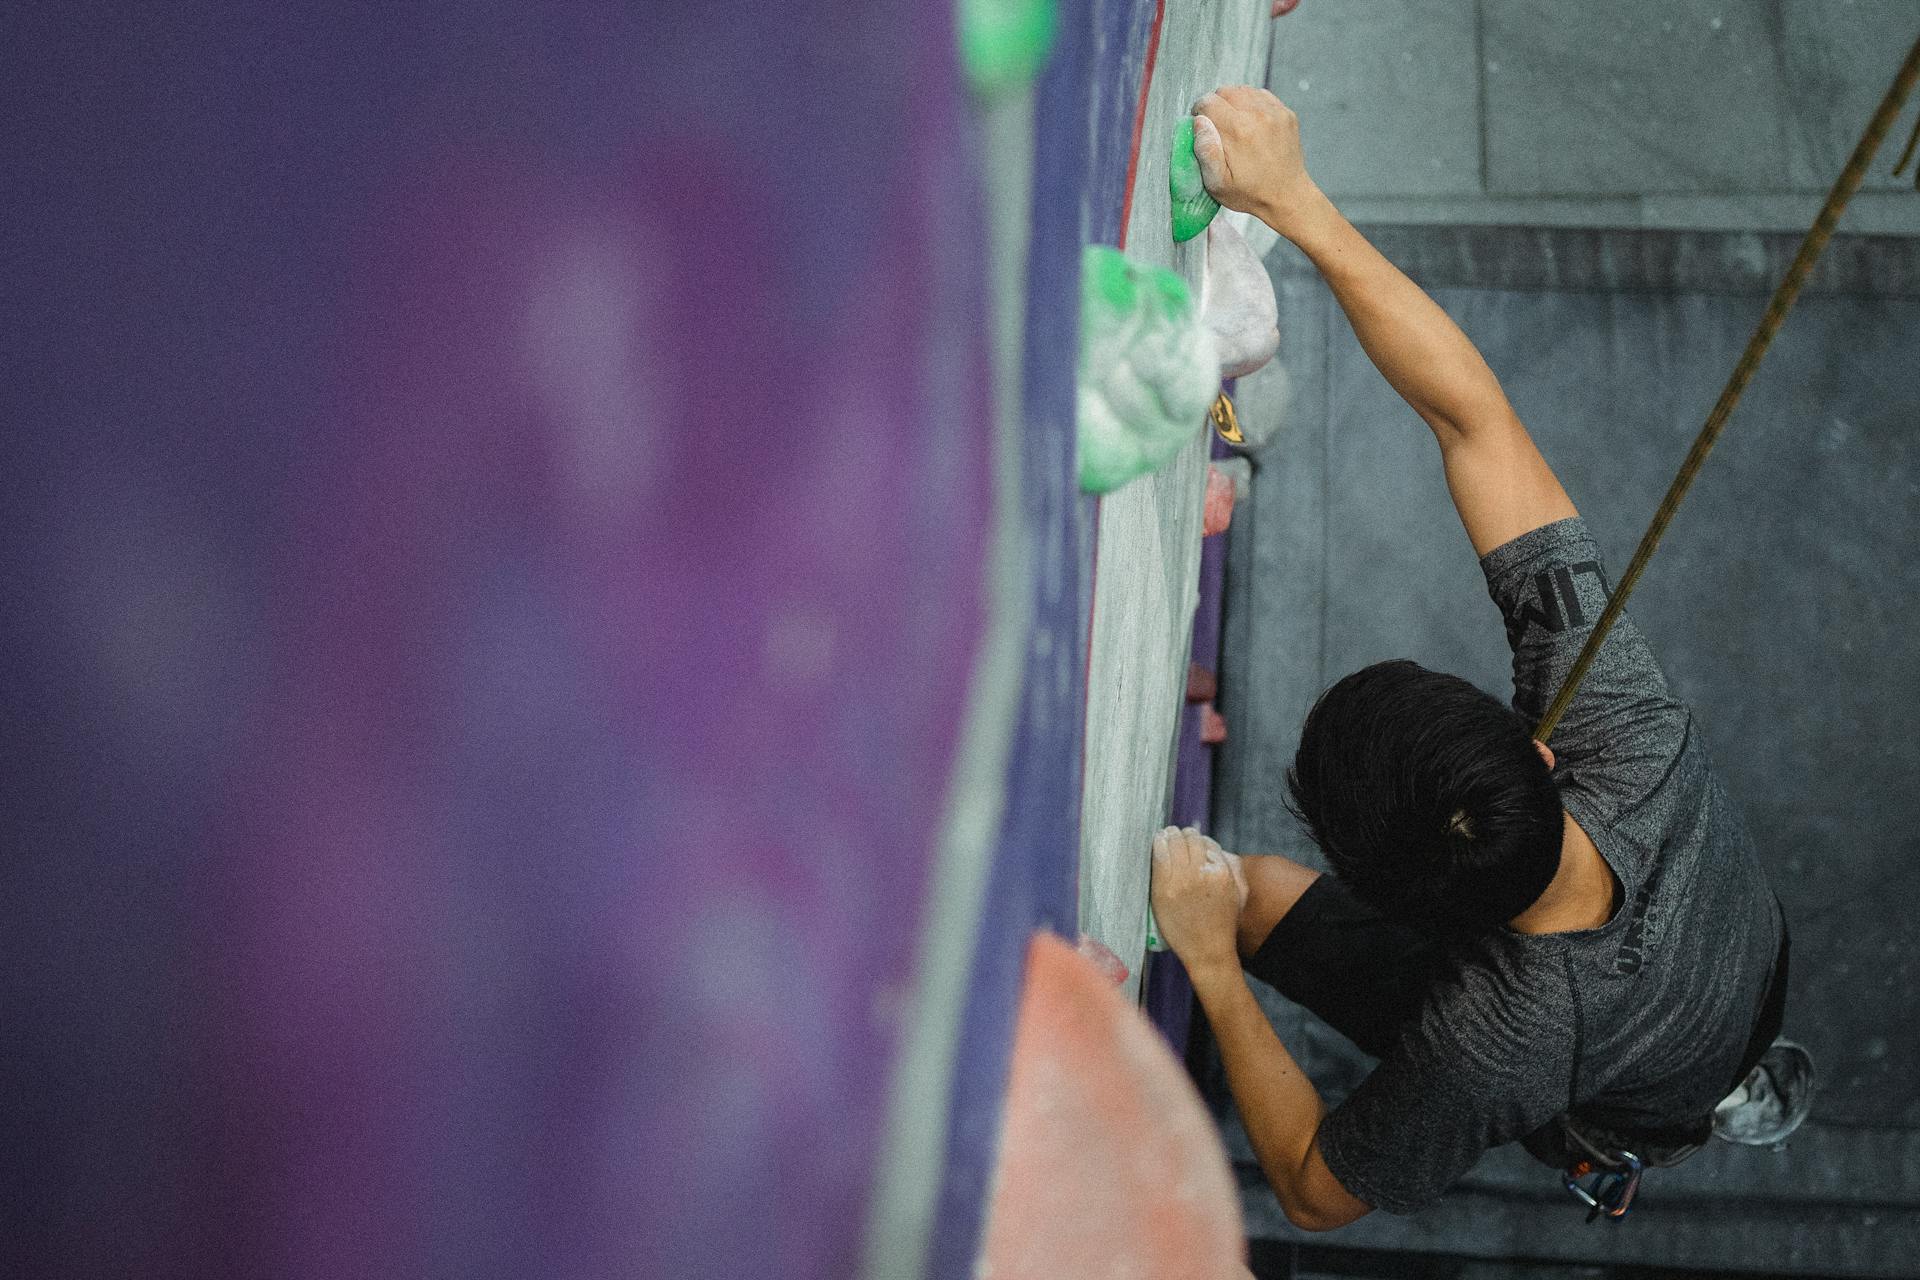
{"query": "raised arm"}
[(1248, 145)]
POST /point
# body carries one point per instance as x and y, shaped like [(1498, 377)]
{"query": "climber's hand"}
[(1196, 898), (1248, 144)]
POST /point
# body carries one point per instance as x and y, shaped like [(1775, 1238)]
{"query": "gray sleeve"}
[(1624, 727), (1461, 1081)]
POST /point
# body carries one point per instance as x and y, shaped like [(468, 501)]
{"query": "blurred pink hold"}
[(1111, 966), (1109, 1162), (1281, 8), (1218, 513), (1213, 726)]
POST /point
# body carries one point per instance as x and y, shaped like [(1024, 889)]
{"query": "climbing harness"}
[(1603, 1171), (1601, 1167), (1225, 421), (1775, 315)]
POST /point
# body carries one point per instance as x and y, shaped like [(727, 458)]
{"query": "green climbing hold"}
[(1193, 208), (1149, 369), (1003, 43)]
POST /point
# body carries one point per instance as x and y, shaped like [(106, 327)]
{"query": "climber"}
[(1572, 946)]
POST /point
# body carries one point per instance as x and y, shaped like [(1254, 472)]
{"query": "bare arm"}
[(1251, 159), (1279, 1105), (1198, 907)]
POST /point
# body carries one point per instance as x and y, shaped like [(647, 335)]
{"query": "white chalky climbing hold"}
[(1237, 303), (1260, 237), (1148, 369), (1262, 403), (1101, 956)]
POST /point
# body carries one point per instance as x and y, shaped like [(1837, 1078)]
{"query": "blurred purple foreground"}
[(496, 497)]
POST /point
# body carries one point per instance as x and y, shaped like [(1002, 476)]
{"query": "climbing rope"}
[(1763, 334)]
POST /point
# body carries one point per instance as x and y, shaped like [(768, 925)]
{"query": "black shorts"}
[(1362, 974)]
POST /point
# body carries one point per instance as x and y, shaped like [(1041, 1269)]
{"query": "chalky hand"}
[(1197, 894)]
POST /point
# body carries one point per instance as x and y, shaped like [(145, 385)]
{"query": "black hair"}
[(1428, 797)]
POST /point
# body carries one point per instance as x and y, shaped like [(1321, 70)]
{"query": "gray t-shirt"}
[(1639, 1023)]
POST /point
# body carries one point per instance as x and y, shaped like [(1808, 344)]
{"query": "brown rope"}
[(1763, 334)]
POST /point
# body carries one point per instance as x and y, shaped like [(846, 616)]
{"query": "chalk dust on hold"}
[(1148, 368), (1237, 303), (1193, 208)]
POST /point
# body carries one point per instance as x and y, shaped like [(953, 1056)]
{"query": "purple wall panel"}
[(1125, 35), (1086, 102), (499, 516)]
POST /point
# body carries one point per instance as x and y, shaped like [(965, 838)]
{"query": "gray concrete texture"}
[(1782, 605), (1680, 114)]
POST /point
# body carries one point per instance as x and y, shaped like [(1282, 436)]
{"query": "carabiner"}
[(1613, 1189)]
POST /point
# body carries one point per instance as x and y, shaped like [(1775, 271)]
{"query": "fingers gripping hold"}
[(1188, 849), (1196, 899), (1246, 146), (1210, 152)]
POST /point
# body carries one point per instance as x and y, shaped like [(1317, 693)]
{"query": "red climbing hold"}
[(1218, 512), (1213, 726), (1201, 684), (1101, 956)]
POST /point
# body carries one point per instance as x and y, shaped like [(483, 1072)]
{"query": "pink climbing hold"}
[(1109, 1162), (1218, 513), (1202, 684), (1111, 966), (1213, 726), (1281, 8)]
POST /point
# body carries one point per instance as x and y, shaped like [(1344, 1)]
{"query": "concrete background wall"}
[(1677, 114)]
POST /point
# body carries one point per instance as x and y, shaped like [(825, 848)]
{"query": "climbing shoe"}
[(1771, 1102)]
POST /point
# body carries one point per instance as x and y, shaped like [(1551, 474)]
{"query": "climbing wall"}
[(1147, 551), (550, 627), (1063, 165), (1099, 151)]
